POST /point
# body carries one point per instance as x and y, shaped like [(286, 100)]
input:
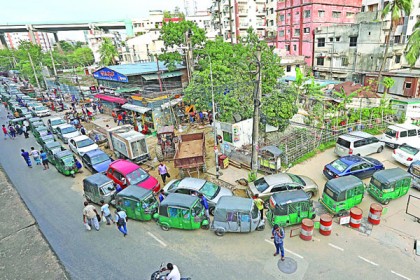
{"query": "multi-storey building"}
[(153, 21), (203, 20), (232, 18), (298, 20), (40, 38), (95, 39)]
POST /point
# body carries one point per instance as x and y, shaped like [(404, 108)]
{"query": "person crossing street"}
[(26, 157), (121, 220)]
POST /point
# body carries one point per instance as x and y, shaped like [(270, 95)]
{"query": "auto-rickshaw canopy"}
[(63, 154), (283, 198), (52, 145), (179, 200), (389, 176), (135, 193), (34, 119), (232, 204), (97, 179), (343, 184), (47, 138)]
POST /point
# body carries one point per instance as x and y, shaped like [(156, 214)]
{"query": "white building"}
[(95, 39), (153, 21), (44, 40), (203, 20), (143, 48)]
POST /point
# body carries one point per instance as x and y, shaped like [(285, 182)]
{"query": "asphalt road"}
[(57, 202)]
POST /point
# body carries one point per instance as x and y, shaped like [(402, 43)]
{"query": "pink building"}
[(297, 20)]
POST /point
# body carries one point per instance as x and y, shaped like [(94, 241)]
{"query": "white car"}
[(82, 144), (66, 132), (40, 111), (53, 123), (406, 154)]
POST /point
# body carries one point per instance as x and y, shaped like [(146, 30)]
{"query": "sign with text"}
[(109, 75)]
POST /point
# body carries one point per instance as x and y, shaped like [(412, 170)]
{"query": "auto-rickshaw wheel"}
[(211, 211), (260, 228), (386, 202), (206, 227), (219, 232), (164, 227), (73, 175)]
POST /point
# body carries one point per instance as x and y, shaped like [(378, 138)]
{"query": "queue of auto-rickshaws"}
[(232, 213)]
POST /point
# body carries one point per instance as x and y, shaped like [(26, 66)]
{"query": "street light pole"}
[(256, 117), (214, 120), (53, 64), (33, 68)]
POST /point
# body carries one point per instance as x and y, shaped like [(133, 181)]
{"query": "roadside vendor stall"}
[(110, 102)]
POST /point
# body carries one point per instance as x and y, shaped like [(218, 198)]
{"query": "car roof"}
[(80, 138), (134, 192), (343, 183), (191, 183), (124, 166), (65, 125), (402, 127), (277, 178), (95, 152), (390, 175), (180, 200), (356, 135), (282, 198), (55, 118), (349, 160)]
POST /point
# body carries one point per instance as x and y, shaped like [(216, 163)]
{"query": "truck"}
[(127, 143), (190, 153)]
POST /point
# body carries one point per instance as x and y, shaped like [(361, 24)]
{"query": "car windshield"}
[(297, 179), (339, 165), (137, 176), (409, 150), (261, 185), (391, 133), (84, 143), (174, 185), (69, 129), (40, 108), (57, 122), (109, 187), (210, 190), (99, 158)]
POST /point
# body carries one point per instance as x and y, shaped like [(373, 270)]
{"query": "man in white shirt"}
[(121, 221), (174, 272)]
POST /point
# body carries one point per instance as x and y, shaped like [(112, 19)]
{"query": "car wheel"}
[(310, 194), (211, 211), (164, 227), (380, 149)]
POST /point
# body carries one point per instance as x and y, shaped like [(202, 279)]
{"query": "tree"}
[(66, 46), (412, 50), (108, 52), (279, 107), (397, 9), (6, 59), (82, 56), (22, 54)]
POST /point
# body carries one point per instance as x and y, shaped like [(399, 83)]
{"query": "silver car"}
[(190, 186), (280, 182)]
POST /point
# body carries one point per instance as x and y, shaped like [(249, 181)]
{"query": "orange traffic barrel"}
[(325, 224), (375, 213), (307, 229), (356, 215)]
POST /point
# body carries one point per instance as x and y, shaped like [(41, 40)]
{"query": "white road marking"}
[(336, 247), (402, 276), (368, 261), (157, 239), (287, 250)]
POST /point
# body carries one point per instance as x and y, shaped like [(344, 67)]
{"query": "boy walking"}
[(35, 155), (44, 159), (121, 220), (26, 157), (106, 213)]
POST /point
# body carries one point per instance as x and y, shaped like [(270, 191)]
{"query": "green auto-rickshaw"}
[(39, 132), (28, 116), (139, 203), (22, 111), (99, 187), (389, 184), (46, 139), (181, 211), (341, 194), (16, 121), (289, 208), (33, 120), (65, 163), (51, 149)]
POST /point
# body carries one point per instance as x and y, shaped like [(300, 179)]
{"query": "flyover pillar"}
[(3, 43), (30, 29), (55, 37)]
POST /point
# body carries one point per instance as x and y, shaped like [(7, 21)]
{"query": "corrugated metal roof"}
[(140, 68)]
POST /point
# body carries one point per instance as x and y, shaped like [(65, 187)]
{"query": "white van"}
[(358, 143), (398, 134)]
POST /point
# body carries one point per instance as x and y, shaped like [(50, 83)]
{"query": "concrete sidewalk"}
[(24, 252)]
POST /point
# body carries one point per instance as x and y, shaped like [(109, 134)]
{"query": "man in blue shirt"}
[(117, 187), (161, 195), (204, 202), (278, 236)]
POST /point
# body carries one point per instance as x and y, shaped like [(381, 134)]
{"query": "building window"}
[(297, 32), (297, 13), (281, 33), (306, 30), (287, 47), (271, 11), (337, 39), (331, 39), (336, 14), (321, 42), (397, 58), (344, 61), (307, 13), (320, 61), (288, 14), (353, 41), (288, 68), (321, 13), (397, 39), (411, 17), (349, 15), (408, 85), (294, 47), (281, 17)]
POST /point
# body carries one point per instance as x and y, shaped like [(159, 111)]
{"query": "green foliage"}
[(321, 148), (252, 176), (388, 83), (412, 50), (108, 52), (279, 107)]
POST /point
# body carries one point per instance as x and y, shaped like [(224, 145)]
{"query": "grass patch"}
[(374, 131), (322, 147)]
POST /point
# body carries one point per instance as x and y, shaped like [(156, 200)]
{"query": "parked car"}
[(190, 186), (96, 161), (406, 154), (399, 134), (358, 143), (82, 144), (280, 182), (66, 132), (125, 173), (22, 111), (361, 167), (414, 170), (53, 123), (40, 111)]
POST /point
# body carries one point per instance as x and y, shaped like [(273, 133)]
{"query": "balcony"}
[(243, 25), (243, 12)]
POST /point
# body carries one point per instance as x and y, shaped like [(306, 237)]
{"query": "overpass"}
[(64, 26)]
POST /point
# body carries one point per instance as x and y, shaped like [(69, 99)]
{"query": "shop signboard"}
[(109, 75)]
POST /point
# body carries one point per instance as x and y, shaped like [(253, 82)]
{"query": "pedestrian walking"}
[(114, 116), (278, 235), (163, 171), (26, 157), (90, 216), (25, 131), (105, 212), (260, 205), (12, 132), (161, 195), (44, 159), (121, 220), (36, 156), (82, 130), (204, 202), (18, 129), (117, 187), (94, 107), (5, 132)]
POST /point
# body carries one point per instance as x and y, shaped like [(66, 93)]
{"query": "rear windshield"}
[(331, 194), (344, 143), (210, 190), (261, 185), (67, 130), (414, 170), (409, 150), (391, 133), (297, 179), (57, 122), (99, 158), (84, 143), (339, 165)]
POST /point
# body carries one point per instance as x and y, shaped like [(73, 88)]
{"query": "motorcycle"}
[(161, 275)]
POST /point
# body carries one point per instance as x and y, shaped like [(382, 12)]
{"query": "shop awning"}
[(109, 98), (171, 103), (125, 90), (136, 108), (162, 76)]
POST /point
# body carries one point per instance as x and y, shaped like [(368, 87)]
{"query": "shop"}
[(110, 102)]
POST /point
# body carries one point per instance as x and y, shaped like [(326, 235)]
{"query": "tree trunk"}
[(385, 55)]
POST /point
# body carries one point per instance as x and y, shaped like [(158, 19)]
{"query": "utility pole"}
[(216, 153), (53, 64), (189, 55), (256, 117), (158, 73), (33, 68)]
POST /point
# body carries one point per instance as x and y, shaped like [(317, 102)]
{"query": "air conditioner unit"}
[(318, 29), (322, 54)]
